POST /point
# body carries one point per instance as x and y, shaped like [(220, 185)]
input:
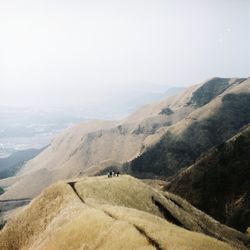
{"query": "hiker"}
[(113, 173)]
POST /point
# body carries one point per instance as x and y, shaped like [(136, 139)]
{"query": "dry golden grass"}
[(157, 184), (33, 220), (117, 213), (129, 192), (167, 235), (121, 191), (248, 231), (94, 229)]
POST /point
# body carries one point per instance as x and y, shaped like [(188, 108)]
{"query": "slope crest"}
[(76, 215)]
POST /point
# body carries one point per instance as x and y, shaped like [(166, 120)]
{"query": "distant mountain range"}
[(125, 103)]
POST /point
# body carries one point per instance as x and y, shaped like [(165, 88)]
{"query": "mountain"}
[(10, 165), (90, 147), (219, 182), (113, 213), (156, 140), (221, 108)]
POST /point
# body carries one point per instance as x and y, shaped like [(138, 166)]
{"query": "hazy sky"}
[(55, 52)]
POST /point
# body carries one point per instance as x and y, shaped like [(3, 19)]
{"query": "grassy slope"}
[(224, 117), (102, 213), (218, 183), (211, 89)]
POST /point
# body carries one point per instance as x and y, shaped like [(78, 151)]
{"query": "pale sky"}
[(72, 52)]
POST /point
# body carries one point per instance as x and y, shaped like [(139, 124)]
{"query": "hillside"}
[(10, 165), (215, 121), (90, 147), (113, 213), (219, 182), (170, 124)]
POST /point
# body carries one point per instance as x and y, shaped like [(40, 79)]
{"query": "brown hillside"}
[(113, 213), (207, 126), (218, 183), (90, 147)]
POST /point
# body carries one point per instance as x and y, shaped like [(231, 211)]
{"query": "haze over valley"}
[(23, 128)]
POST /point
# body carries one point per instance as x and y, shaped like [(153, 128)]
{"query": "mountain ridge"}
[(92, 147), (200, 130), (85, 211)]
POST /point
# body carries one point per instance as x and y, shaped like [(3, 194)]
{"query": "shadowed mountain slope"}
[(219, 182), (204, 128), (10, 165), (113, 213), (210, 90)]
